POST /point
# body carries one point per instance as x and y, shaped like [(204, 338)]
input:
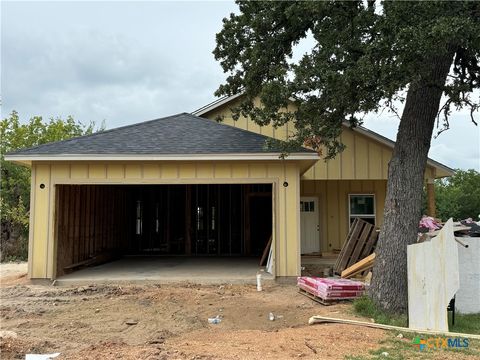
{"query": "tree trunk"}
[(404, 188)]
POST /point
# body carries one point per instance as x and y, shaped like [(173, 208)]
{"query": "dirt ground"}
[(170, 322)]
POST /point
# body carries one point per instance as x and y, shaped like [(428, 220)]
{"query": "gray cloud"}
[(99, 67), (125, 62)]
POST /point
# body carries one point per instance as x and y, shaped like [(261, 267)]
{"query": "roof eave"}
[(28, 159), (215, 104), (447, 171)]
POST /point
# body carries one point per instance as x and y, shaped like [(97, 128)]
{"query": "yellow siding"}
[(41, 222), (286, 231), (97, 171), (79, 171), (363, 159), (115, 171), (133, 171), (333, 205), (151, 171), (223, 171)]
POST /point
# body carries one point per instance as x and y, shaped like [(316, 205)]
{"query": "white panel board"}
[(433, 279)]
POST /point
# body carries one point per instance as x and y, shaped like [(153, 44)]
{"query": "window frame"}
[(354, 216)]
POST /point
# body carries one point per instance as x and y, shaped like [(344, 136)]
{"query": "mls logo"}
[(420, 344)]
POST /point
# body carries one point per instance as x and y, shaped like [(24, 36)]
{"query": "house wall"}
[(46, 175), (334, 207), (363, 158)]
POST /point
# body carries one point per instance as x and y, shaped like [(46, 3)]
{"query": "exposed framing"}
[(54, 231)]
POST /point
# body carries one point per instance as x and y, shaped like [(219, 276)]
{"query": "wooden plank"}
[(110, 216), (87, 222), (349, 245), (341, 255), (68, 253), (266, 250), (366, 269), (83, 223), (91, 230), (362, 240), (60, 228), (247, 220), (188, 220), (94, 220), (360, 243), (358, 266), (324, 320), (76, 235), (104, 218), (371, 244)]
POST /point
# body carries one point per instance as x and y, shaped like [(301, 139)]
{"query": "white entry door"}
[(309, 226)]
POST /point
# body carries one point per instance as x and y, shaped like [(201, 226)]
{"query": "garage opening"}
[(96, 224)]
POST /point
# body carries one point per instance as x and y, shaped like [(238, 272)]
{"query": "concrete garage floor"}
[(200, 270)]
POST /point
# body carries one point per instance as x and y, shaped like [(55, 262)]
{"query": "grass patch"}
[(364, 306), (465, 323), (402, 348)]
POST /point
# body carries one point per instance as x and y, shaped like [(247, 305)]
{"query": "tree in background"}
[(459, 196), (15, 179), (364, 58)]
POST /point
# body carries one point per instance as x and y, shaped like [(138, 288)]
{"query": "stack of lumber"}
[(360, 267), (329, 290), (360, 243)]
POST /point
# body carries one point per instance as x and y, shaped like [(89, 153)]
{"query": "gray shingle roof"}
[(178, 134)]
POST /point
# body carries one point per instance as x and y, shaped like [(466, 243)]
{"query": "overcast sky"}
[(125, 62)]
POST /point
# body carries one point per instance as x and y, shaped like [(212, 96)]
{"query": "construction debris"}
[(430, 227), (41, 356), (361, 241), (359, 267), (215, 320), (433, 280), (325, 320), (327, 291)]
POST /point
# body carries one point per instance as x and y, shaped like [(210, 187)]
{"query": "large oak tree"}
[(366, 56)]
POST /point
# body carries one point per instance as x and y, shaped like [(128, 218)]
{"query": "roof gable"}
[(214, 107)]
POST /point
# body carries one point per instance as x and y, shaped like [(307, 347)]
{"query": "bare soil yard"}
[(170, 322)]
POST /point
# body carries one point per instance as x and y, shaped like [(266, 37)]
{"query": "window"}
[(307, 206), (362, 206)]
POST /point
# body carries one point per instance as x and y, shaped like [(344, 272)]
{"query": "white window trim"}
[(374, 216)]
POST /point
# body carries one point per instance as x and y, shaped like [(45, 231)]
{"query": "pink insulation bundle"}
[(331, 288)]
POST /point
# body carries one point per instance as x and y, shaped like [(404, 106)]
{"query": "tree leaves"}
[(15, 179), (458, 196), (362, 59)]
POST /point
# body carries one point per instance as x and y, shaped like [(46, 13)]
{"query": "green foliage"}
[(466, 323), (458, 196), (15, 179), (365, 56), (365, 306)]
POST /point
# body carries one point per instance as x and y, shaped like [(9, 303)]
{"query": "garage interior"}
[(155, 231)]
